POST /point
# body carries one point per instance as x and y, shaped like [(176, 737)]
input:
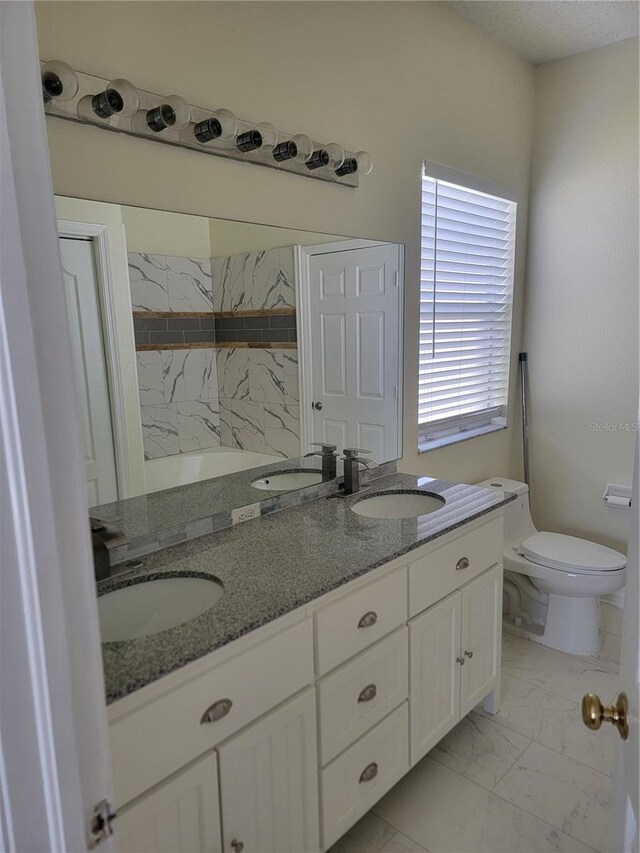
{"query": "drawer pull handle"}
[(370, 772), (460, 661), (238, 846), (469, 655), (368, 693), (463, 563), (216, 711), (368, 619)]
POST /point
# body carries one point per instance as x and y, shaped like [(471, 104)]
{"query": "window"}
[(466, 290)]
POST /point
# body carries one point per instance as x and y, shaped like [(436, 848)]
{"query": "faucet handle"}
[(326, 448), (352, 452)]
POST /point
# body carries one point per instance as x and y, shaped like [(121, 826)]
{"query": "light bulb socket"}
[(349, 167), (285, 151), (318, 159), (160, 118), (249, 141), (206, 130), (52, 86), (107, 103)]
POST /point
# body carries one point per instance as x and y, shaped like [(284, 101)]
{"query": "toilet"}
[(553, 582)]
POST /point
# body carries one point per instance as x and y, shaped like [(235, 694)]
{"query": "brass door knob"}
[(594, 713)]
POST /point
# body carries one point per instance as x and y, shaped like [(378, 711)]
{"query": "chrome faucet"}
[(351, 468), (328, 455), (104, 537)]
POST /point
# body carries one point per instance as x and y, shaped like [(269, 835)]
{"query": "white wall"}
[(581, 312), (406, 81), (157, 232)]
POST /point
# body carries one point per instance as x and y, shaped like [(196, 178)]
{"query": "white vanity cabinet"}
[(455, 659), (179, 816), (269, 782), (281, 740), (267, 797)]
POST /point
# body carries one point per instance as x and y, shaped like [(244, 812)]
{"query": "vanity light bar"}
[(117, 105)]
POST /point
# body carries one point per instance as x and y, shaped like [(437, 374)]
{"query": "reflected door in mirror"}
[(85, 322), (355, 309)]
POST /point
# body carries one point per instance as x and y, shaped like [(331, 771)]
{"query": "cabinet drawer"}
[(438, 573), (353, 623), (364, 773), (153, 742), (361, 693)]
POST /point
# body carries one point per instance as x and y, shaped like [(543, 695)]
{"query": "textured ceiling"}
[(544, 30)]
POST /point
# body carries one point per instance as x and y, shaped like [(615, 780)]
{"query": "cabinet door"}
[(182, 815), (434, 645), (269, 782), (481, 638)]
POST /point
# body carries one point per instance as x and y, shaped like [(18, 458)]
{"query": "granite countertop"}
[(271, 565)]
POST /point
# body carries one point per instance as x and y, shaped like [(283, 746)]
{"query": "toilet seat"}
[(571, 554)]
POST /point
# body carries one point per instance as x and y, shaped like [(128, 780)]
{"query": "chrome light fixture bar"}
[(117, 105)]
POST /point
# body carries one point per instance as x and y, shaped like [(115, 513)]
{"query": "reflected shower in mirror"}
[(206, 347)]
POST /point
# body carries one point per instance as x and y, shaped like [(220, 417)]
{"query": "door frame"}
[(119, 347), (302, 256), (54, 754)]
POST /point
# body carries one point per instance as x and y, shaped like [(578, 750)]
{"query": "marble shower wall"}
[(178, 388), (194, 398), (254, 280), (169, 283), (178, 401), (258, 388), (259, 400)]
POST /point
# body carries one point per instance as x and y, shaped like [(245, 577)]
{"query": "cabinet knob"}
[(468, 654), (216, 711), (368, 693), (238, 846), (463, 563), (368, 619), (370, 772), (460, 661)]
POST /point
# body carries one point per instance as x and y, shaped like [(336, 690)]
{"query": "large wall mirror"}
[(206, 346)]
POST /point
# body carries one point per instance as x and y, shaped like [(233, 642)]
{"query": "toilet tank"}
[(518, 524)]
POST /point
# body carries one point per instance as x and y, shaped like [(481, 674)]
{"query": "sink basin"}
[(399, 505), (288, 480), (154, 604)]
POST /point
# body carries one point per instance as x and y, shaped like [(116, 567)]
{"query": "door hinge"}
[(395, 391), (100, 828)]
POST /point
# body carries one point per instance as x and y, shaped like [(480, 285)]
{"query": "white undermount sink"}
[(288, 480), (153, 605), (399, 505)]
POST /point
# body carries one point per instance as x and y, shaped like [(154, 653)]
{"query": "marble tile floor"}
[(530, 779)]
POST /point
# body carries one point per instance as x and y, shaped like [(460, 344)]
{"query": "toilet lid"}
[(568, 552)]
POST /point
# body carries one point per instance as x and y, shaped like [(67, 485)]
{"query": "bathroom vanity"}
[(343, 649)]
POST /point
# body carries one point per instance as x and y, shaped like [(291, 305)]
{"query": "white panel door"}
[(434, 674), (83, 307), (180, 816), (481, 638), (269, 782), (355, 348), (624, 826)]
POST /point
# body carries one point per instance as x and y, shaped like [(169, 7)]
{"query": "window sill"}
[(424, 446)]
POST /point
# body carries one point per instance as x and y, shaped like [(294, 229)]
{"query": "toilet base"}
[(572, 625)]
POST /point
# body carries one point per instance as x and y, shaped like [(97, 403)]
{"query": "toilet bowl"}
[(553, 582)]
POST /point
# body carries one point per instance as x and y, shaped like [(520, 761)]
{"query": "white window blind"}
[(466, 289)]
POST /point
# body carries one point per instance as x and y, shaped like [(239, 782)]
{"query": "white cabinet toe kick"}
[(283, 739)]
